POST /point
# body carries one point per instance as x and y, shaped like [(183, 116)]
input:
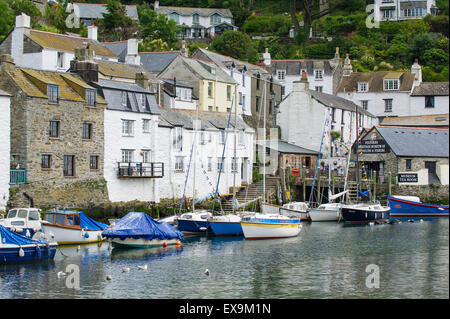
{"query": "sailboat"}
[(196, 221), (272, 225), (363, 212), (331, 211)]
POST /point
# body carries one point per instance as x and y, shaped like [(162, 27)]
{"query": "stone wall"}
[(426, 193)]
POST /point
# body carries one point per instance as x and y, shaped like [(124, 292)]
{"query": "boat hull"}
[(70, 236), (324, 215), (363, 216), (303, 216), (223, 228), (193, 227), (142, 243), (260, 230), (10, 253), (403, 208)]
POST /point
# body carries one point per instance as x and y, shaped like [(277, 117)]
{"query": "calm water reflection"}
[(326, 261)]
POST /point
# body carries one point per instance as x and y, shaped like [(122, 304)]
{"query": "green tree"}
[(157, 26), (27, 7), (6, 20), (115, 24), (235, 44)]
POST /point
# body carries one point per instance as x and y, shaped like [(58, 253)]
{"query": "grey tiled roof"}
[(338, 102), (431, 88), (155, 62), (112, 92), (287, 148), (417, 142), (200, 11), (119, 48), (3, 93), (293, 67), (94, 11)]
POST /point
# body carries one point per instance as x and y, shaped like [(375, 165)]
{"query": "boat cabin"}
[(65, 219), (23, 218)]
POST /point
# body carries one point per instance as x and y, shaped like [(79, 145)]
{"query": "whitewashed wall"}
[(5, 150), (418, 105), (326, 83)]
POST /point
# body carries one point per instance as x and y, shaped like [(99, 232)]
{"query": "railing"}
[(17, 176), (140, 170)]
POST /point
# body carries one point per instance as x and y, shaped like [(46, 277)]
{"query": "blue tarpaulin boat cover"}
[(11, 238), (85, 221), (140, 225)]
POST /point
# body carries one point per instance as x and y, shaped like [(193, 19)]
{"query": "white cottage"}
[(396, 10), (5, 148)]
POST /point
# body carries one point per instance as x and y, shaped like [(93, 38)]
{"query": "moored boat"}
[(25, 221), (18, 248), (411, 207), (326, 212), (68, 227), (295, 210), (138, 230), (269, 226), (365, 212), (194, 223)]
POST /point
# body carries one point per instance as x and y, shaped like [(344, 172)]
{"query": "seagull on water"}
[(143, 267)]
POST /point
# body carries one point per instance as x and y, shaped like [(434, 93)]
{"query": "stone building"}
[(57, 136), (412, 155), (5, 147)]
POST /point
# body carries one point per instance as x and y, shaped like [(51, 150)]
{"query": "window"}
[(146, 125), (141, 100), (183, 94), (234, 164), (429, 101), (86, 133), (178, 138), (408, 164), (228, 92), (146, 156), (240, 98), (127, 127), (215, 19), (391, 84), (333, 115), (318, 74), (195, 18), (124, 99), (228, 109), (241, 137), (388, 14), (210, 89), (388, 105), (319, 88), (210, 108), (127, 156), (93, 162), (54, 129), (365, 104), (46, 161), (69, 165), (34, 215), (179, 164), (219, 164), (243, 101), (258, 80), (221, 136), (60, 59), (243, 78), (257, 104), (270, 107), (174, 16), (209, 164), (283, 91), (53, 93), (281, 74), (91, 96), (363, 87)]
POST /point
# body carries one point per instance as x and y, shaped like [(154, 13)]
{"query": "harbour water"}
[(326, 260)]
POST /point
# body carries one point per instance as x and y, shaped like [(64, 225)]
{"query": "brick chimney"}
[(184, 51), (21, 28), (6, 62), (141, 79), (347, 69), (416, 69), (133, 56), (84, 64)]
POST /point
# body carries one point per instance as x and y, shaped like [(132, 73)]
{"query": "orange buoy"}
[(178, 243)]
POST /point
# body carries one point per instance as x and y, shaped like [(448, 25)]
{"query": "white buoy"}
[(143, 267), (28, 233), (207, 272), (108, 277), (21, 252), (61, 274), (126, 269), (371, 223), (78, 248)]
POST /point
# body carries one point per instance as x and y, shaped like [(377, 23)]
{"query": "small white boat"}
[(330, 212), (171, 220), (296, 210), (138, 230), (194, 223), (24, 221), (71, 227), (267, 226)]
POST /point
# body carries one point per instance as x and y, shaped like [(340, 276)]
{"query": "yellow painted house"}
[(213, 87)]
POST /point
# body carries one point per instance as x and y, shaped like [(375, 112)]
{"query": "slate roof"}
[(293, 67), (203, 70), (3, 93), (65, 42), (375, 80), (416, 142), (187, 11), (287, 148), (112, 91), (155, 62), (119, 48), (431, 88), (121, 70), (338, 102), (94, 10), (209, 120), (418, 120)]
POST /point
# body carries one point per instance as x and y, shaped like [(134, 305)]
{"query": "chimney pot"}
[(23, 21), (92, 32)]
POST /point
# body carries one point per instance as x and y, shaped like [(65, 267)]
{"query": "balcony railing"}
[(17, 176), (140, 170)]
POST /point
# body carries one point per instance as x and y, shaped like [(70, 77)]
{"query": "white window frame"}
[(281, 75), (146, 125), (178, 138), (146, 156), (318, 74), (363, 87), (388, 106), (365, 104), (319, 88), (391, 84), (127, 127), (234, 164), (60, 60), (124, 98), (179, 163), (127, 156)]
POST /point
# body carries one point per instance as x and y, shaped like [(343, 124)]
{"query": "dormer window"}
[(215, 19), (91, 95), (281, 74), (213, 71), (53, 92), (124, 99), (195, 18), (60, 62), (391, 84), (141, 100), (318, 74), (363, 87)]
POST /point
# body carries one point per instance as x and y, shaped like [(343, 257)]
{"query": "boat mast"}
[(235, 143), (357, 152), (329, 162), (195, 151), (264, 151)]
